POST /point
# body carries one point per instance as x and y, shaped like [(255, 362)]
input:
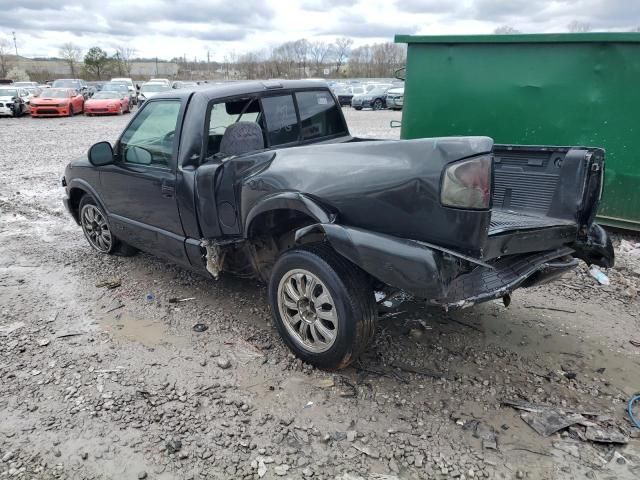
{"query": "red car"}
[(57, 102), (107, 102)]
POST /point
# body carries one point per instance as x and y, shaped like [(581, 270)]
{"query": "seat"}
[(241, 137)]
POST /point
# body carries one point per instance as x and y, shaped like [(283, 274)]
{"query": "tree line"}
[(303, 58)]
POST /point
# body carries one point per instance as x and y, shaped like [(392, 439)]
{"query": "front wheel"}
[(377, 105), (97, 230), (358, 108), (71, 112), (323, 306)]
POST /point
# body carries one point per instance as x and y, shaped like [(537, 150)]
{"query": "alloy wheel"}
[(308, 310), (95, 228)]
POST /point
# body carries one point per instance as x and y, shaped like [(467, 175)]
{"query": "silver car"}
[(395, 98)]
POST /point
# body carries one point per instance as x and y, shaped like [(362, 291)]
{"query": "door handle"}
[(167, 189)]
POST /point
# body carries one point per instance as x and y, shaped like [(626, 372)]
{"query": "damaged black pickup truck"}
[(263, 179)]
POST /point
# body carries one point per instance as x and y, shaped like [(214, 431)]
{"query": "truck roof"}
[(242, 87)]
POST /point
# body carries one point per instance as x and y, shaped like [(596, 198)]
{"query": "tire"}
[(358, 108), (108, 243), (377, 105), (307, 327), (71, 112), (120, 112)]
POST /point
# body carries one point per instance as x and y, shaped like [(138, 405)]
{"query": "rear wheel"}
[(358, 108), (97, 230), (323, 306)]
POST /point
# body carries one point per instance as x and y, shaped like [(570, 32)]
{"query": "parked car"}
[(395, 98), (184, 84), (34, 91), (71, 83), (25, 84), (121, 87), (57, 102), (107, 103), (336, 218), (150, 89), (12, 101), (160, 80), (375, 99), (133, 93), (344, 95)]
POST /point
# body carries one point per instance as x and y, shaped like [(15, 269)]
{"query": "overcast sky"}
[(169, 29)]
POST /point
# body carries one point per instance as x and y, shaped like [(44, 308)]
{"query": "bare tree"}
[(71, 54), (301, 49), (342, 50), (319, 53), (505, 30), (5, 52), (123, 58), (577, 26)]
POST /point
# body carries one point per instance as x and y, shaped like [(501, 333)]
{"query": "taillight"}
[(467, 184)]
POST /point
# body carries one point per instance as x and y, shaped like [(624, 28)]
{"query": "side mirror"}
[(138, 155), (100, 154), (395, 123)]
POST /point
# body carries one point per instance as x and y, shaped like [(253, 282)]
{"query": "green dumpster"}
[(542, 89)]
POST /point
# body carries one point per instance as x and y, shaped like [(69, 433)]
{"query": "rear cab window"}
[(285, 118), (319, 115)]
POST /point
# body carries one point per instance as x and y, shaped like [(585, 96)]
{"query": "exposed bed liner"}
[(508, 220)]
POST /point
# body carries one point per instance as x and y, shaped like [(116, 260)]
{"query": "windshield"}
[(106, 94), (56, 94), (66, 84), (23, 84), (378, 91), (5, 92), (358, 90), (114, 87), (154, 88)]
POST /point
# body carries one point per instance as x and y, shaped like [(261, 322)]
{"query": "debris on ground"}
[(200, 327), (599, 275), (109, 284), (604, 435), (180, 300)]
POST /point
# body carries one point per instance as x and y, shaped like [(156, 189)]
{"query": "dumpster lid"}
[(618, 37)]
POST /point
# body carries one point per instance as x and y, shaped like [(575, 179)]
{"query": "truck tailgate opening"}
[(543, 197)]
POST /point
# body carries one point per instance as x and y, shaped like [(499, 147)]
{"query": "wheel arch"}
[(77, 189), (271, 226)]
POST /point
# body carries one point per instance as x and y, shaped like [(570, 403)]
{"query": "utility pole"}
[(15, 45), (156, 66)]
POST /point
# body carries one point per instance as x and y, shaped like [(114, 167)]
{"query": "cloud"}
[(326, 5), (357, 26), (427, 6)]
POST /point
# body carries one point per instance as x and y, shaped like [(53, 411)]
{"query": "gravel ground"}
[(100, 383)]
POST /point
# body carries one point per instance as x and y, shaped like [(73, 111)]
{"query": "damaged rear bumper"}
[(442, 276)]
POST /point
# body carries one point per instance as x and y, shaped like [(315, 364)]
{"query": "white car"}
[(160, 80), (150, 89), (130, 86), (13, 101)]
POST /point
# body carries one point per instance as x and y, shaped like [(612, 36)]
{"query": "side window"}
[(223, 114), (319, 115), (281, 119), (149, 140)]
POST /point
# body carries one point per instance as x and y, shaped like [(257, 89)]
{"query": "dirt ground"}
[(99, 383)]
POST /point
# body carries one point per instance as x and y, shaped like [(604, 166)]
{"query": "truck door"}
[(139, 188)]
